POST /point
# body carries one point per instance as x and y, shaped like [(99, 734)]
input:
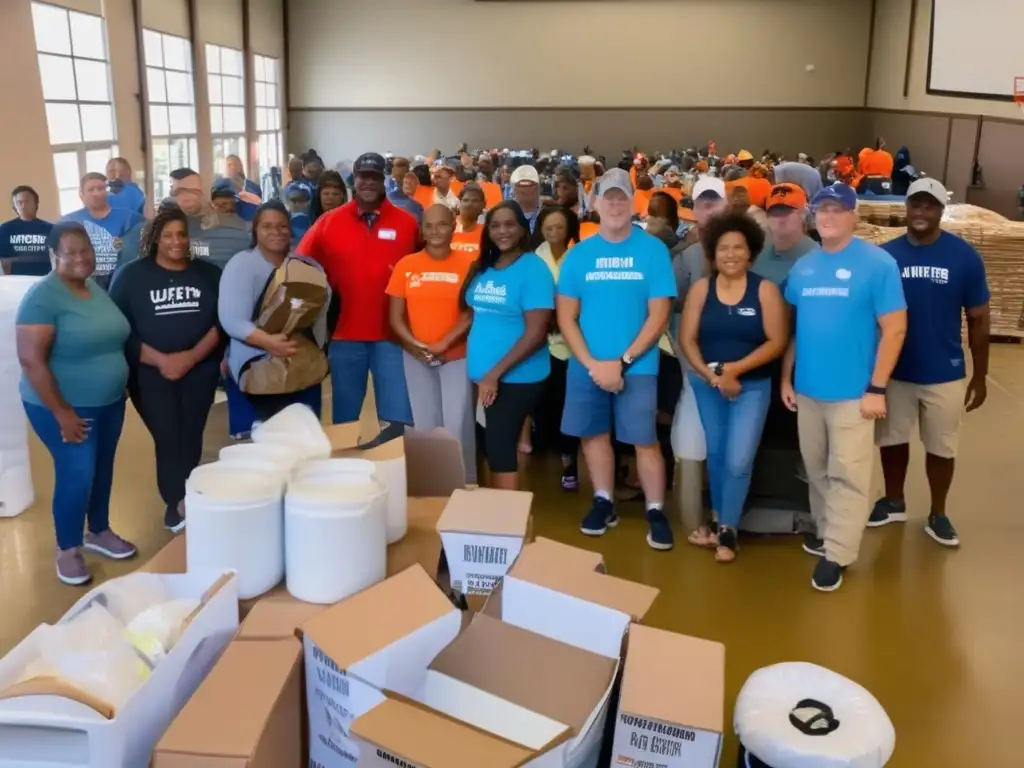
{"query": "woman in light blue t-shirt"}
[(511, 293), (71, 339)]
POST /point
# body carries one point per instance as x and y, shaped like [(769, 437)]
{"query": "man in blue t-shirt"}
[(943, 276), (23, 239), (850, 322), (248, 195), (106, 226), (122, 191), (615, 294)]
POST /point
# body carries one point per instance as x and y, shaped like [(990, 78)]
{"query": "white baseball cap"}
[(615, 178), (708, 185), (525, 174), (931, 187)]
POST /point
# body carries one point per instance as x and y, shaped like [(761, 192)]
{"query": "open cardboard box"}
[(383, 638), (49, 722), (483, 532), (672, 701)]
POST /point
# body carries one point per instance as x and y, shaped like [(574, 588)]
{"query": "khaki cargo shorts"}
[(938, 408)]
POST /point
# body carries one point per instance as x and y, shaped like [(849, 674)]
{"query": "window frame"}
[(222, 139), (162, 144), (266, 76), (82, 149)]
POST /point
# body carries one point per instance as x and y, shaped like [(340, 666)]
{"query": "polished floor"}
[(934, 634)]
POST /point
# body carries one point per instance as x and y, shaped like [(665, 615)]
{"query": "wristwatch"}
[(717, 368), (627, 360), (873, 390)]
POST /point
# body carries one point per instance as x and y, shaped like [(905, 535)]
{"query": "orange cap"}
[(791, 195)]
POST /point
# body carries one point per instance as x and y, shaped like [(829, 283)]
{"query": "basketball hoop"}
[(1018, 92)]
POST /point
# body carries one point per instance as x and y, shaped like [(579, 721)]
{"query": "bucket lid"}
[(235, 481)]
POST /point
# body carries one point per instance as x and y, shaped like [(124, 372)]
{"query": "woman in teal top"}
[(71, 338), (511, 293)]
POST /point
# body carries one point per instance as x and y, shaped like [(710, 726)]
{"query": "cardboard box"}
[(420, 738), (277, 618), (382, 638), (246, 714), (483, 532), (580, 607), (170, 559), (672, 702), (573, 557), (343, 436), (433, 461), (524, 688)]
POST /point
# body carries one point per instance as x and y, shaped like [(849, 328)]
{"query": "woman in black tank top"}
[(734, 325)]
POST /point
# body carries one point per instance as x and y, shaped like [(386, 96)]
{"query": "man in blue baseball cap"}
[(851, 319)]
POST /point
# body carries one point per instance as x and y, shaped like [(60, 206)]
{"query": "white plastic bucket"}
[(236, 520), (277, 454), (335, 536), (298, 428), (328, 467)]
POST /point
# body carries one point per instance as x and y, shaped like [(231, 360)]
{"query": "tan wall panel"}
[(169, 16)]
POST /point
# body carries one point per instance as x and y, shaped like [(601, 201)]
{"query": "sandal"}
[(704, 536), (727, 546)]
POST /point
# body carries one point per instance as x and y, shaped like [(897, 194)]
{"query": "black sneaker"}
[(600, 518), (813, 545), (886, 512), (940, 529), (828, 576), (570, 478), (659, 533), (173, 521)]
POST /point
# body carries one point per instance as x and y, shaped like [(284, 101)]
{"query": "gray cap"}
[(615, 178)]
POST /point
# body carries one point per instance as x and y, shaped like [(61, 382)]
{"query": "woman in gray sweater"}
[(242, 287)]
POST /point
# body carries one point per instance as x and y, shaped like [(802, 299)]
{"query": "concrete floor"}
[(934, 634)]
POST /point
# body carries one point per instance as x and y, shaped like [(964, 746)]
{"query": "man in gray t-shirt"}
[(787, 217), (216, 237)]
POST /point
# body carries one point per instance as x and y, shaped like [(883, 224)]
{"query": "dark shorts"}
[(670, 384), (505, 418), (590, 411)]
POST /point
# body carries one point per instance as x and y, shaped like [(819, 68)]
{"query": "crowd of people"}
[(521, 302)]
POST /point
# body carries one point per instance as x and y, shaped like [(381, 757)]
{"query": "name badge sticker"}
[(387, 234)]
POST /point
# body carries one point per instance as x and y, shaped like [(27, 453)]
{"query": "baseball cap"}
[(708, 185), (931, 187), (369, 162), (525, 174), (786, 196), (615, 178), (222, 188), (743, 156), (838, 192), (296, 191)]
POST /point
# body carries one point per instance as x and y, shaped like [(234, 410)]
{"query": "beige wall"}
[(698, 53), (25, 154), (888, 64)]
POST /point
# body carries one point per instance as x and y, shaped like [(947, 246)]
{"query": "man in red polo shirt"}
[(358, 246)]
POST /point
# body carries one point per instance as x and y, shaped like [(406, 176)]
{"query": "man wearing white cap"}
[(943, 277), (615, 293), (525, 183)]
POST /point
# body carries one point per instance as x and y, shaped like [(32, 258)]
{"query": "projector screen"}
[(977, 47)]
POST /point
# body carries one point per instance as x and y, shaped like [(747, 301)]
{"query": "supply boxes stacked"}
[(16, 489), (50, 710), (528, 682)]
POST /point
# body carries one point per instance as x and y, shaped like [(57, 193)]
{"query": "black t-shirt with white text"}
[(23, 243), (169, 310)]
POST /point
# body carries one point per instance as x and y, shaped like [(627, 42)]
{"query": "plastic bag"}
[(688, 442), (297, 427), (128, 596), (156, 630), (91, 653)]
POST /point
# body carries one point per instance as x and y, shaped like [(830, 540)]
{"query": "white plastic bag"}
[(297, 427), (91, 653), (128, 596), (156, 630), (688, 442)]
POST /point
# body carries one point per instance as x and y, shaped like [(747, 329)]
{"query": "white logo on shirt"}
[(821, 292), (489, 293), (843, 274), (416, 279), (179, 300), (938, 275), (27, 243), (746, 311)]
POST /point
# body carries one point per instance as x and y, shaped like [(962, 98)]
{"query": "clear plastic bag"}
[(297, 427), (688, 442), (156, 630), (130, 595), (91, 653)]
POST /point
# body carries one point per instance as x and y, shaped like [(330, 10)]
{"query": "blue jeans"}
[(351, 363), (732, 429), (241, 414), (83, 472)]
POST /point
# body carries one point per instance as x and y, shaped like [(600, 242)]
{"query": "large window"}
[(75, 71), (172, 106), (227, 104), (270, 147)]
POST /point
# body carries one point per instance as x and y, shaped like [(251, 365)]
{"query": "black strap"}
[(822, 724)]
